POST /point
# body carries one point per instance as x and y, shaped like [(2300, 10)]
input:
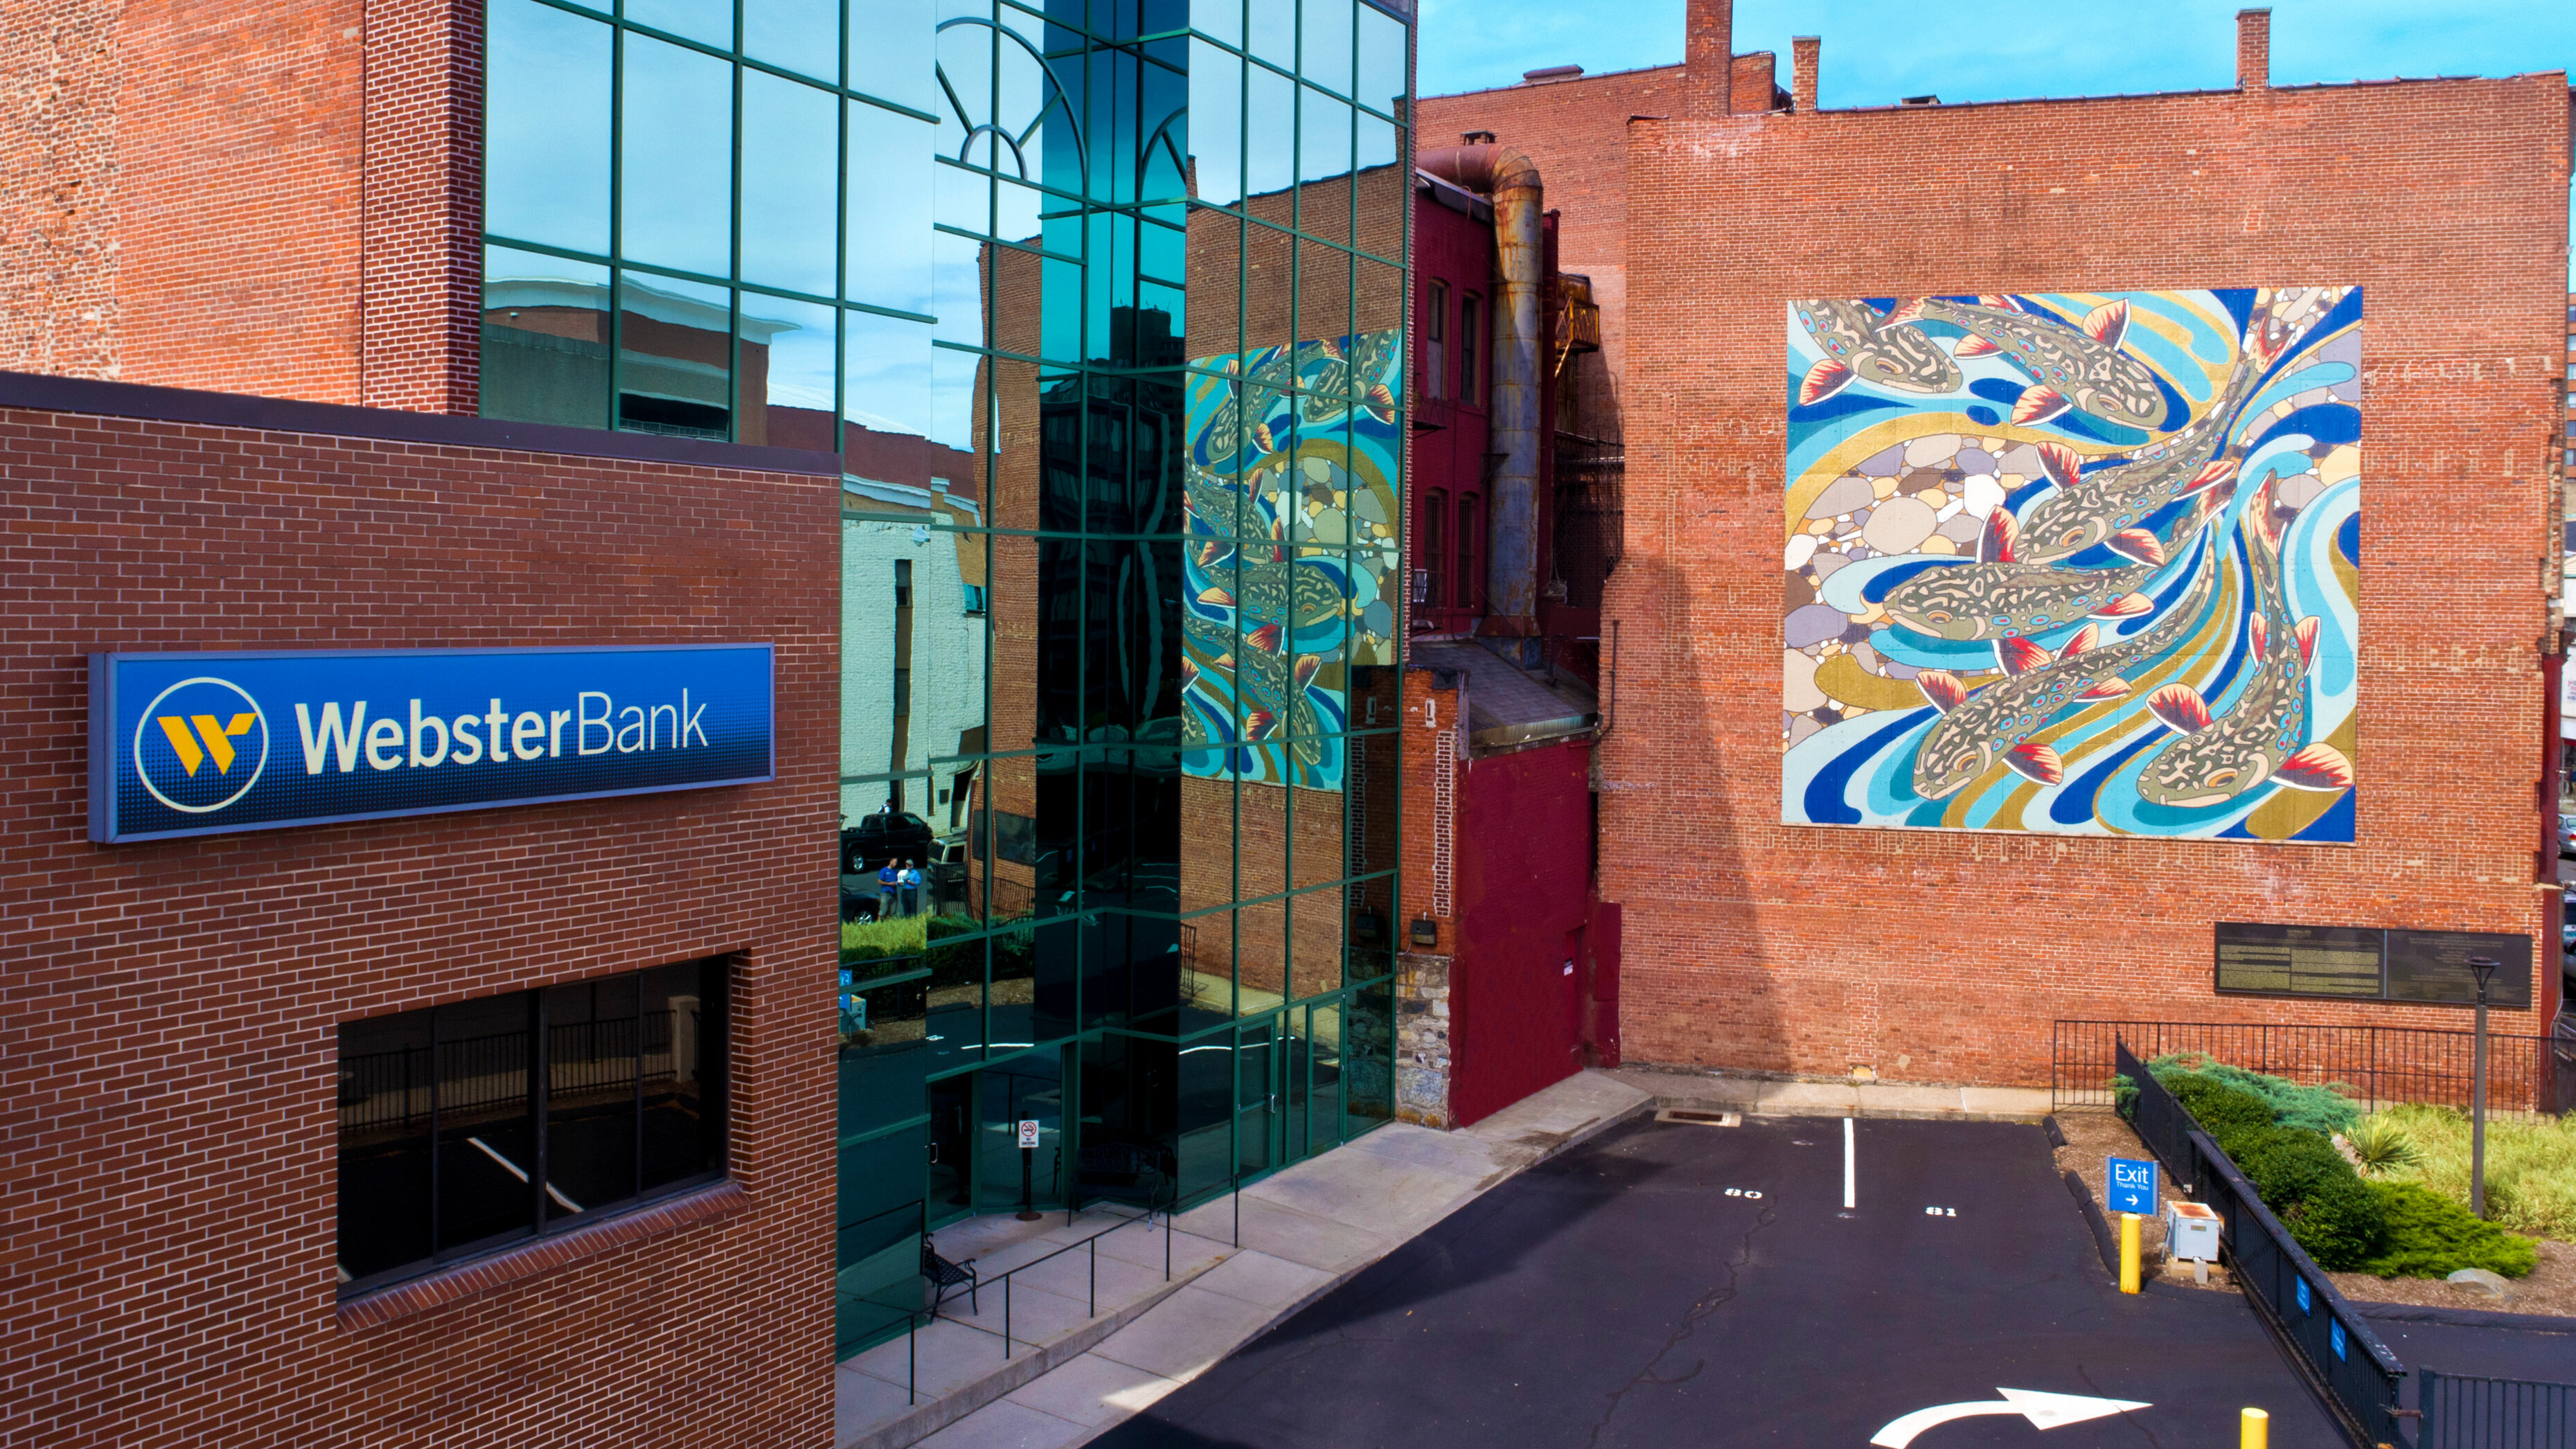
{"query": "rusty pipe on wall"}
[(1512, 180)]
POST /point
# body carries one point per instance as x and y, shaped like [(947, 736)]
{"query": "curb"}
[(2463, 1317)]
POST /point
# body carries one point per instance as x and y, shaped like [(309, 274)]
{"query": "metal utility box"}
[(2191, 1232)]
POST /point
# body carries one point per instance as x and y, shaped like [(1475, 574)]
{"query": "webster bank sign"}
[(194, 744)]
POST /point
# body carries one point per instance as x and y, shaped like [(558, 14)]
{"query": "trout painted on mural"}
[(1993, 726), (2097, 505), (2079, 367), (2264, 736), (2005, 596), (1859, 342)]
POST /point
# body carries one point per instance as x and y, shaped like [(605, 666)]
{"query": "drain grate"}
[(1697, 1118)]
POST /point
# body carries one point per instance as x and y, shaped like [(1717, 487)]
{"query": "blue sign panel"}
[(2133, 1185), (196, 744)]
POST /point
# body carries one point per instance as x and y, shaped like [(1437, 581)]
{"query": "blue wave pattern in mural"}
[(1291, 561), (2074, 563)]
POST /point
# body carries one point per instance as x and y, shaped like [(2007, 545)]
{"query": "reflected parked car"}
[(2566, 835)]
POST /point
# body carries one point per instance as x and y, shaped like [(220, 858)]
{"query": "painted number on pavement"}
[(1743, 1192)]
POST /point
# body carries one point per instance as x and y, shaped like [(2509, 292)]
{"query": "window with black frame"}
[(470, 1126)]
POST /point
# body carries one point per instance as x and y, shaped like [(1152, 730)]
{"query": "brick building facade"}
[(1945, 956), (168, 1044)]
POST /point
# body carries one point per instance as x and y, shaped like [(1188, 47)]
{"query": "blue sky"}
[(1878, 50)]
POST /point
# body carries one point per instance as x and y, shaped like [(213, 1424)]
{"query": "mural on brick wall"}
[(2078, 563), (1291, 564)]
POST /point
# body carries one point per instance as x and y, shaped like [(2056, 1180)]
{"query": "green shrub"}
[(2430, 1236), (2327, 1109), (2222, 1110), (2314, 1192)]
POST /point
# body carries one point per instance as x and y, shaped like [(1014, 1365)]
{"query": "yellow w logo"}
[(218, 737)]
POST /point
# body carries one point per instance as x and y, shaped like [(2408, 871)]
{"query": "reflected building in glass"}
[(1102, 304)]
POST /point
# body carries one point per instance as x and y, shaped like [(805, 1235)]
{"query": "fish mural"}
[(1289, 489), (2132, 608), (1858, 342), (2077, 366)]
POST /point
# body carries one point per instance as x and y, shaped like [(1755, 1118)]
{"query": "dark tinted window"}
[(466, 1126)]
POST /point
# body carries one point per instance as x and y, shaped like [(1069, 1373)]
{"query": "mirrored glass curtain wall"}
[(1102, 305)]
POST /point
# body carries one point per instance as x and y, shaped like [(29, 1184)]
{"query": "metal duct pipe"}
[(1512, 180)]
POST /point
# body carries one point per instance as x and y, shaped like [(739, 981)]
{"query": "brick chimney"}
[(1802, 71), (2253, 50), (1711, 42)]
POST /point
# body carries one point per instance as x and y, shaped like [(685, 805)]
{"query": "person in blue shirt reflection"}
[(889, 888), (911, 879)]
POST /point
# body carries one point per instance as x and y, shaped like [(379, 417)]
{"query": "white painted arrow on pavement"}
[(2045, 1411)]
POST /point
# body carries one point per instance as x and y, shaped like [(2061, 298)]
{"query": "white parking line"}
[(1850, 1200)]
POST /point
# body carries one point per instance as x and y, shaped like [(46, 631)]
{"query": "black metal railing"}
[(2376, 1064), (2361, 1377), (471, 1074), (2462, 1411)]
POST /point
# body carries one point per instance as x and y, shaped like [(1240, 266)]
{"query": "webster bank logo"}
[(201, 745)]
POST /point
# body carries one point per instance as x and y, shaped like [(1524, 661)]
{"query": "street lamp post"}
[(2483, 967)]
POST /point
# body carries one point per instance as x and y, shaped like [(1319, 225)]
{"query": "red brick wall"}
[(284, 201), (167, 1009), (422, 263), (241, 136), (1946, 956), (61, 66)]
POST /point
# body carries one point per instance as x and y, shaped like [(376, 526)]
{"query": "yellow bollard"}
[(2254, 1429), (2128, 1252)]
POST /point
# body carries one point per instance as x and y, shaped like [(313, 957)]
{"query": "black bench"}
[(944, 1275)]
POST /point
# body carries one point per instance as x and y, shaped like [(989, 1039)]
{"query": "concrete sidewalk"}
[(1306, 1229), (1775, 1097)]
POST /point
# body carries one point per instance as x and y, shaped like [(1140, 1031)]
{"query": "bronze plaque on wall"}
[(2300, 960), (2433, 966)]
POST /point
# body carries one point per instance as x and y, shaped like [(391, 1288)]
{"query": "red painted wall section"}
[(1525, 864), (1449, 438)]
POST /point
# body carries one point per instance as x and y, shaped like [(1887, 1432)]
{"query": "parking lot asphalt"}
[(1685, 1285)]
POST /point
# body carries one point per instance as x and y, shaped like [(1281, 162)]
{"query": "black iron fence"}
[(2462, 1411), (2375, 1064), (2358, 1372)]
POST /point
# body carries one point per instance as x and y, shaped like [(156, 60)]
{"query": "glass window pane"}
[(1274, 32), (709, 22), (675, 357), (1380, 85), (1375, 146), (683, 1065), (1323, 143), (957, 298), (385, 1090), (1325, 58), (963, 198), (1220, 18), (886, 377), (545, 339), (487, 1141), (802, 35), (1269, 163), (890, 52), (889, 252), (678, 163), (590, 1094), (1216, 122), (546, 127), (790, 175), (786, 359)]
